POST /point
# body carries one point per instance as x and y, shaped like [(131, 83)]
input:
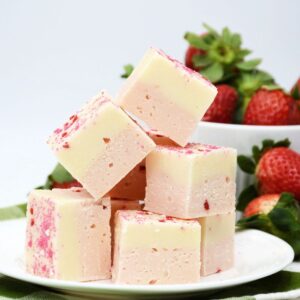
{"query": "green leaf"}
[(226, 35), (236, 40), (283, 219), (201, 60), (261, 222), (210, 30), (267, 144), (246, 164), (256, 153), (246, 196), (213, 72), (242, 53), (13, 212), (128, 69), (249, 65), (283, 143), (61, 175), (196, 41)]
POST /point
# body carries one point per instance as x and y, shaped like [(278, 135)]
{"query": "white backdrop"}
[(54, 55)]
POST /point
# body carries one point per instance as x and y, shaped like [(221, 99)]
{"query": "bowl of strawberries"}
[(250, 106)]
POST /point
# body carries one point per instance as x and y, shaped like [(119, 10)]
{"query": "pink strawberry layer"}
[(132, 186), (213, 196), (217, 257), (95, 241), (170, 266), (119, 157), (160, 112)]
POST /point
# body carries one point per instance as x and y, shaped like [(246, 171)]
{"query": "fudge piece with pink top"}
[(190, 182), (167, 96), (100, 145), (68, 235), (217, 243), (155, 249), (133, 185)]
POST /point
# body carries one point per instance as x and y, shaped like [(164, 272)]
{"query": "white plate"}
[(257, 255)]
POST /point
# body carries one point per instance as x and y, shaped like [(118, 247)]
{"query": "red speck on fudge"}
[(206, 205), (66, 145), (76, 122), (106, 140)]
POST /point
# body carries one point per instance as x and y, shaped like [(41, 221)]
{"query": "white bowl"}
[(243, 137)]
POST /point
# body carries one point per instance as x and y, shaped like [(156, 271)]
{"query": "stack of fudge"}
[(184, 227)]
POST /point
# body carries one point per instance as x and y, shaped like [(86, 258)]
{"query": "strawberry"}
[(275, 214), (278, 171), (270, 107), (65, 185), (189, 55), (223, 107), (218, 56), (261, 205)]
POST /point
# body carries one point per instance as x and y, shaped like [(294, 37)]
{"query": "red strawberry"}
[(66, 185), (271, 107), (190, 53), (278, 171), (223, 107), (261, 205)]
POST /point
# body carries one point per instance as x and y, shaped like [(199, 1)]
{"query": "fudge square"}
[(217, 243), (68, 235), (155, 249), (190, 182), (164, 93), (133, 185), (100, 145)]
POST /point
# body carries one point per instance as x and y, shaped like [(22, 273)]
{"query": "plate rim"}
[(108, 288)]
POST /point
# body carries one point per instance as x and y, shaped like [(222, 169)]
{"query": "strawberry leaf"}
[(249, 65), (261, 222), (246, 164), (210, 30), (284, 143), (226, 35), (213, 72), (59, 174), (128, 69), (246, 196), (196, 41), (13, 212), (256, 153), (236, 40), (201, 61)]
